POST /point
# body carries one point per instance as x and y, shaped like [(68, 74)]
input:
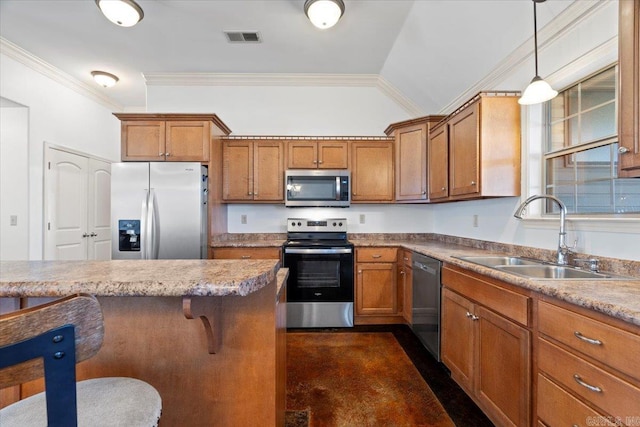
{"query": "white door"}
[(99, 210), (65, 206)]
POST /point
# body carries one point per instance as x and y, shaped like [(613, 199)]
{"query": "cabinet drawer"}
[(246, 253), (376, 254), (614, 395), (618, 349), (556, 407), (503, 301)]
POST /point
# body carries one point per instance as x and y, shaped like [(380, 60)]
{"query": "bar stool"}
[(54, 337)]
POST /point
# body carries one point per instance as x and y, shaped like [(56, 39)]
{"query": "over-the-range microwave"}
[(317, 187)]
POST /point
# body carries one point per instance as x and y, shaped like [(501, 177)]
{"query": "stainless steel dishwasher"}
[(426, 302)]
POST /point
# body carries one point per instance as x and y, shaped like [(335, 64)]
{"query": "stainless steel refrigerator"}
[(158, 210)]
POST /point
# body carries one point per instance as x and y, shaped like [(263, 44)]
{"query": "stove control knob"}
[(334, 224), (299, 224), (340, 224), (293, 224)]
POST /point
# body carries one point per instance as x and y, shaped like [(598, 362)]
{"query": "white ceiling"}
[(430, 50)]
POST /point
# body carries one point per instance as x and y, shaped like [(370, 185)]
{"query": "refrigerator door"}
[(176, 195), (129, 192)]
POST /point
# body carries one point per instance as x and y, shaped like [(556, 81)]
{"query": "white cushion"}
[(102, 402)]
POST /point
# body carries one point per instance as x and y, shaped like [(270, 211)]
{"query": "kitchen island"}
[(209, 335)]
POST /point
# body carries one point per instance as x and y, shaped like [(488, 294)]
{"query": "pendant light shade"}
[(538, 90), (324, 13), (104, 79), (125, 13)]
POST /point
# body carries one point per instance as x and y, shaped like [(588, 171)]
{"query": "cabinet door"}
[(333, 155), (457, 339), (143, 140), (464, 150), (411, 163), (502, 374), (629, 104), (188, 141), (371, 171), (438, 160), (376, 291), (237, 170), (268, 170), (302, 155)]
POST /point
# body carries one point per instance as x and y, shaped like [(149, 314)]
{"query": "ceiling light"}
[(125, 13), (104, 79), (324, 13), (538, 90)]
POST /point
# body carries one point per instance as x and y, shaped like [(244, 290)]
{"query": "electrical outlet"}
[(243, 219), (361, 218), (475, 220), (13, 220)]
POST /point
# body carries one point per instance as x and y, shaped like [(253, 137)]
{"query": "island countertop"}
[(136, 277)]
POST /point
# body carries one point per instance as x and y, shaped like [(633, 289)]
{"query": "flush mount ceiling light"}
[(324, 13), (538, 90), (125, 13), (104, 79)]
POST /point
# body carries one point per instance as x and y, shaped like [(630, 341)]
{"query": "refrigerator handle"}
[(154, 229), (144, 232)]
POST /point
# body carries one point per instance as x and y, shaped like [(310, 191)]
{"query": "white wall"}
[(59, 116), (14, 181)]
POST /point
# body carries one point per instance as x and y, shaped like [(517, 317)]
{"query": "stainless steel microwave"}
[(317, 187)]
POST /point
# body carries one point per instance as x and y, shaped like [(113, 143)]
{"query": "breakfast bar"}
[(209, 335)]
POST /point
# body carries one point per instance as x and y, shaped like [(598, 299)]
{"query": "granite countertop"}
[(249, 240), (136, 277), (616, 298)]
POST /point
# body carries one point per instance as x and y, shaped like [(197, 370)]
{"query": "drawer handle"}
[(585, 385), (246, 256), (376, 256), (585, 339)]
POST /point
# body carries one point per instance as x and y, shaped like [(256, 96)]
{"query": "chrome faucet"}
[(563, 249)]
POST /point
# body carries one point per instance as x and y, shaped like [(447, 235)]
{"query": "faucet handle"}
[(594, 263)]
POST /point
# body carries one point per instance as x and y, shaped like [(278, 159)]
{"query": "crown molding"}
[(566, 21), (301, 79), (31, 61)]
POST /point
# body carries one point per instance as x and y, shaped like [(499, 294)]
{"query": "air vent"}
[(243, 37)]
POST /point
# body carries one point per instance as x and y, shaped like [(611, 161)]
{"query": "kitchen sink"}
[(542, 271), (493, 261)]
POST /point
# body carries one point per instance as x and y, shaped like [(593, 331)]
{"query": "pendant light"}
[(538, 90), (125, 13), (324, 13), (104, 79)]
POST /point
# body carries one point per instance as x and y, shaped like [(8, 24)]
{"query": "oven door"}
[(319, 274)]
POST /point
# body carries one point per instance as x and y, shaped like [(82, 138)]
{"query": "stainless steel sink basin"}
[(553, 272), (493, 261)]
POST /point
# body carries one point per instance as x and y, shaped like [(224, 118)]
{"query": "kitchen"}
[(266, 107)]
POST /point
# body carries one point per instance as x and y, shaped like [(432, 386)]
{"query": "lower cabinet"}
[(405, 285), (486, 349), (376, 293)]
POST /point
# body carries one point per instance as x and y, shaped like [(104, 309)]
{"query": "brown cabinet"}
[(253, 170), (629, 102), (245, 253), (411, 157), (405, 284), (480, 145), (168, 137), (372, 171), (591, 363), (310, 154), (485, 347), (376, 293)]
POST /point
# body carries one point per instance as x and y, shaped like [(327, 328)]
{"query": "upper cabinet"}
[(253, 170), (475, 151), (372, 171), (312, 154), (168, 137), (629, 102), (411, 157)]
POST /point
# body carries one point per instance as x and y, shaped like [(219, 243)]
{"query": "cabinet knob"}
[(424, 192), (469, 315), (245, 256), (320, 161), (315, 162), (359, 271), (85, 235), (443, 188), (92, 235), (474, 317), (161, 154), (472, 182), (249, 193), (623, 150), (167, 154), (401, 271)]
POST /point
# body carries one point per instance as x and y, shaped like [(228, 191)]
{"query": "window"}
[(581, 149)]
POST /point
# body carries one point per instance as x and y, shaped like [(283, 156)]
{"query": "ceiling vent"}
[(243, 37)]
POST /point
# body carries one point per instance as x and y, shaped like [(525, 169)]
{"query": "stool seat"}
[(102, 402)]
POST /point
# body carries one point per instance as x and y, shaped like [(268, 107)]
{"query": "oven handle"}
[(310, 251)]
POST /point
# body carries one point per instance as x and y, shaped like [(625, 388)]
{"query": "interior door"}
[(66, 206), (99, 210)]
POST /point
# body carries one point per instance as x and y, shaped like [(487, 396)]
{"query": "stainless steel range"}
[(320, 262)]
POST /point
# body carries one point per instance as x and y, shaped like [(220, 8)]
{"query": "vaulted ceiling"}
[(429, 50)]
